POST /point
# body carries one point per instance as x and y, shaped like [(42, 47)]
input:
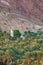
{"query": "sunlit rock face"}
[(28, 14), (26, 7)]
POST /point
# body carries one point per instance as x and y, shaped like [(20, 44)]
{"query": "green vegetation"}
[(27, 51), (17, 33)]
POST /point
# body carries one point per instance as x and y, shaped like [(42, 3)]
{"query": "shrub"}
[(17, 33)]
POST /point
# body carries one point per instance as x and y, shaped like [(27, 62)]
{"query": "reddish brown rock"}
[(27, 7)]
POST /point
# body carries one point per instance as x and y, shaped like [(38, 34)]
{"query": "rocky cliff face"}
[(31, 9), (25, 7)]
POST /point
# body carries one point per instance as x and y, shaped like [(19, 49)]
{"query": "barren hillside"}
[(21, 14)]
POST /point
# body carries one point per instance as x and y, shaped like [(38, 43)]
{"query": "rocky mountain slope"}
[(21, 14)]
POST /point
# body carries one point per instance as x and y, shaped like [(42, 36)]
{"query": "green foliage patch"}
[(27, 51)]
